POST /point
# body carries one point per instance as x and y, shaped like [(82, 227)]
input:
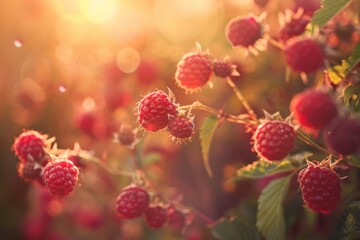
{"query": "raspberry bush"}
[(135, 124)]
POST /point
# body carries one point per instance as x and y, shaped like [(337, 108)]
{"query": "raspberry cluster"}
[(134, 201)]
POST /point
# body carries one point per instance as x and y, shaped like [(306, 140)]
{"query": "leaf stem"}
[(310, 142)]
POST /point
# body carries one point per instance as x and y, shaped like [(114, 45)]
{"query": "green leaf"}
[(351, 94), (151, 158), (339, 72), (206, 134), (348, 226), (354, 161), (235, 229), (328, 10), (270, 217)]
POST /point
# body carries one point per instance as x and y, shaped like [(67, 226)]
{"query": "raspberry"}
[(77, 161), (28, 171), (274, 140), (181, 127), (313, 109), (30, 145), (320, 188), (222, 69), (193, 71), (175, 219), (154, 111), (125, 136), (343, 137), (243, 31), (132, 202), (304, 55), (155, 217), (60, 177), (295, 27)]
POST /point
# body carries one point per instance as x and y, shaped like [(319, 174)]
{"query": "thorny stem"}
[(240, 119), (310, 142), (242, 99), (85, 155)]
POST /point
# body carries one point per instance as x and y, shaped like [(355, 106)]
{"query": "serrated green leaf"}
[(262, 168), (270, 217), (328, 10), (348, 226), (206, 134), (235, 229)]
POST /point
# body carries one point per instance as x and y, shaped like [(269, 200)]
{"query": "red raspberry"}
[(175, 219), (193, 71), (77, 161), (60, 177), (295, 27), (243, 31), (154, 111), (304, 55), (30, 145), (313, 109), (320, 188), (222, 69), (181, 127), (274, 140), (132, 202), (155, 217), (343, 136), (28, 171)]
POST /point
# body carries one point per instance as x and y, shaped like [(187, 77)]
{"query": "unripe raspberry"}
[(60, 177), (30, 145), (313, 109), (295, 27), (320, 188), (222, 68), (193, 71), (132, 202), (304, 55), (154, 111), (155, 217), (181, 127), (343, 136), (125, 135), (274, 139), (28, 171), (243, 31), (175, 219)]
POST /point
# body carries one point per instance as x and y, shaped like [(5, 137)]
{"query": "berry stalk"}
[(310, 142)]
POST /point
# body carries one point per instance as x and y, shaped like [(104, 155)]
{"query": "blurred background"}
[(75, 69)]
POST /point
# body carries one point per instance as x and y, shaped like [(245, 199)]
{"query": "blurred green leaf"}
[(351, 94), (235, 229), (270, 217), (206, 134), (328, 10), (354, 161), (151, 158), (348, 227)]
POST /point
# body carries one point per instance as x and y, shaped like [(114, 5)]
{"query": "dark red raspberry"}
[(295, 27), (320, 188), (132, 202), (193, 71), (60, 177), (309, 6), (154, 111), (77, 161), (125, 135), (274, 139), (175, 219), (30, 145), (343, 136), (181, 127), (313, 109), (304, 55), (243, 31), (155, 217), (29, 171), (222, 68)]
